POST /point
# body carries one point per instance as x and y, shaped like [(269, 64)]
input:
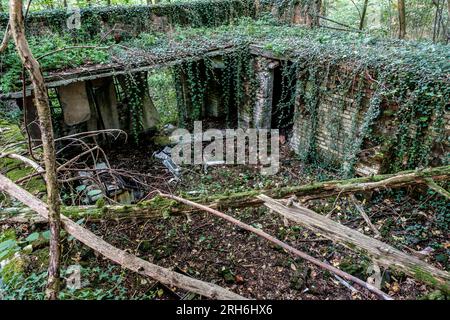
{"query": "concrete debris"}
[(169, 129), (101, 166), (166, 158), (114, 188)]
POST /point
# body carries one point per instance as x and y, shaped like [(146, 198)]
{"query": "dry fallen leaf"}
[(239, 279), (395, 288)]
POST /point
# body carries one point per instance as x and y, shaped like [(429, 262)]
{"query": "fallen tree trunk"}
[(325, 189), (155, 207), (283, 245), (382, 253), (119, 256), (144, 211)]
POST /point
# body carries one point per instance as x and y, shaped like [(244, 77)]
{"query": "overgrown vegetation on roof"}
[(404, 83)]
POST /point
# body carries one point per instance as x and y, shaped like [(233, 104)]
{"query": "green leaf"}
[(32, 237), (81, 188), (94, 193), (7, 248), (46, 235), (8, 244)]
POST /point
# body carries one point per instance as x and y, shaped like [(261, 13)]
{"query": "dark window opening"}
[(283, 97)]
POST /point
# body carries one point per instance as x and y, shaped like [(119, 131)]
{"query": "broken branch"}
[(381, 252), (25, 160), (283, 245), (364, 215)]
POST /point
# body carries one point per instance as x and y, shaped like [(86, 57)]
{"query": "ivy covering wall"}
[(403, 83), (235, 78), (196, 14)]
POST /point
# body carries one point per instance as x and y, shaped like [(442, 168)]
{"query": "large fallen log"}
[(437, 188), (154, 208), (381, 252), (119, 256), (283, 245)]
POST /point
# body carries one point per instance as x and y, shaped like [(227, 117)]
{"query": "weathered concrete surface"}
[(150, 113), (262, 114), (75, 103), (31, 119), (106, 102)]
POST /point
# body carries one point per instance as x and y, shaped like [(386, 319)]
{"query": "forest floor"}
[(212, 250)]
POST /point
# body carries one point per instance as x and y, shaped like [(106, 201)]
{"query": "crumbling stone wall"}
[(262, 113), (339, 115)]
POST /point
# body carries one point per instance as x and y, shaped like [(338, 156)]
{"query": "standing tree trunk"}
[(308, 13), (402, 19), (447, 28), (314, 10), (439, 25), (448, 21), (43, 108), (363, 15)]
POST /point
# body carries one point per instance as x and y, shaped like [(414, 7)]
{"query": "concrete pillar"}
[(245, 110), (262, 114), (104, 93), (214, 106), (31, 119), (150, 115), (186, 110)]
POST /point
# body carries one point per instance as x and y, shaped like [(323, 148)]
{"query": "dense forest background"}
[(423, 19)]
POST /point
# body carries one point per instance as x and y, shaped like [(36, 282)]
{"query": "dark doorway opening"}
[(283, 97)]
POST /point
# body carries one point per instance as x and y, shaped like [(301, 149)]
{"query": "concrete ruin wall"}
[(132, 20), (334, 110), (262, 113), (338, 118)]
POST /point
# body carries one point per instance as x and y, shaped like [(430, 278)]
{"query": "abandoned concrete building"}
[(361, 108), (327, 113)]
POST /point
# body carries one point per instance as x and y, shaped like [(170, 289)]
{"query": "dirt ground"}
[(212, 250), (209, 249)]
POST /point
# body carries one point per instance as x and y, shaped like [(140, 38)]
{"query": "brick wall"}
[(143, 18), (339, 119)]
